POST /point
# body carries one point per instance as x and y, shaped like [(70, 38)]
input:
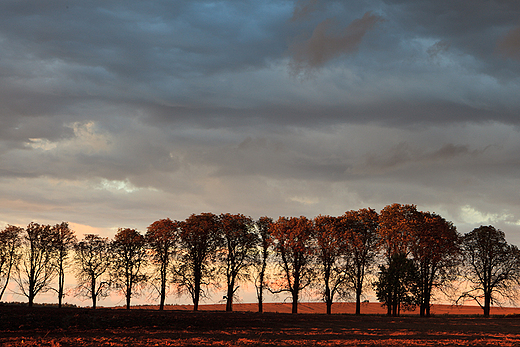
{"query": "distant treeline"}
[(410, 254)]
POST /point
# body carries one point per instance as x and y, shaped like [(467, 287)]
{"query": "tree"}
[(265, 241), (129, 259), (237, 252), (93, 258), (36, 268), (396, 286), (435, 249), (162, 239), (292, 238), (10, 242), (331, 241), (363, 247), (396, 225), (491, 267), (198, 242), (63, 240)]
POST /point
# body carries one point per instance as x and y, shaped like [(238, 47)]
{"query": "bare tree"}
[(63, 241), (36, 268), (293, 243), (93, 258), (237, 253), (199, 240), (491, 267), (262, 255), (129, 260), (10, 241), (162, 239)]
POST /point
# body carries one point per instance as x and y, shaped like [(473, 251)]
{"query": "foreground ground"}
[(49, 326)]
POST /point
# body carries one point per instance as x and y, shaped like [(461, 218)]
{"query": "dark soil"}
[(50, 326)]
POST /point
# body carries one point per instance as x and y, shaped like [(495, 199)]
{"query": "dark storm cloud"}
[(140, 108)]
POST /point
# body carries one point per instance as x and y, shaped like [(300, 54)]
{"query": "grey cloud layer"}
[(146, 108)]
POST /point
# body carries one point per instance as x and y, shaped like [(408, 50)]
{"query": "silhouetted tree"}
[(293, 243), (396, 286), (491, 267), (331, 239), (265, 241), (363, 247), (396, 225), (435, 249), (36, 268), (237, 254), (63, 240), (129, 259), (162, 239), (10, 242), (93, 258), (198, 242)]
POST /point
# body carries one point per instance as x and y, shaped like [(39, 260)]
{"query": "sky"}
[(114, 114)]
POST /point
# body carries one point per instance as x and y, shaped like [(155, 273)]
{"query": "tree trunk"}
[(163, 292), (128, 296), (61, 283), (295, 301), (196, 294), (93, 291), (358, 298), (229, 298), (487, 303), (261, 292), (328, 298)]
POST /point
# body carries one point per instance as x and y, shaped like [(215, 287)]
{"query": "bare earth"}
[(178, 326)]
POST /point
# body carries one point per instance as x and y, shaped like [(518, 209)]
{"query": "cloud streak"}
[(328, 42)]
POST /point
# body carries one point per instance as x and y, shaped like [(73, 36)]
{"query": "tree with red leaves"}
[(396, 226), (363, 247), (237, 252), (436, 252), (129, 261), (198, 241), (293, 244), (161, 237), (331, 239)]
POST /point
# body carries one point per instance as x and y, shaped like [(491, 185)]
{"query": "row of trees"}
[(411, 255)]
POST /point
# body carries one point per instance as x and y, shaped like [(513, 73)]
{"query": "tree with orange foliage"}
[(198, 241), (237, 253), (363, 247), (293, 243), (129, 260), (263, 225), (396, 225), (331, 239), (161, 237), (435, 249)]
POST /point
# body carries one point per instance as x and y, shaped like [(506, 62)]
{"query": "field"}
[(178, 326)]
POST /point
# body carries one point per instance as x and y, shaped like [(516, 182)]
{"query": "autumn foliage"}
[(407, 256)]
